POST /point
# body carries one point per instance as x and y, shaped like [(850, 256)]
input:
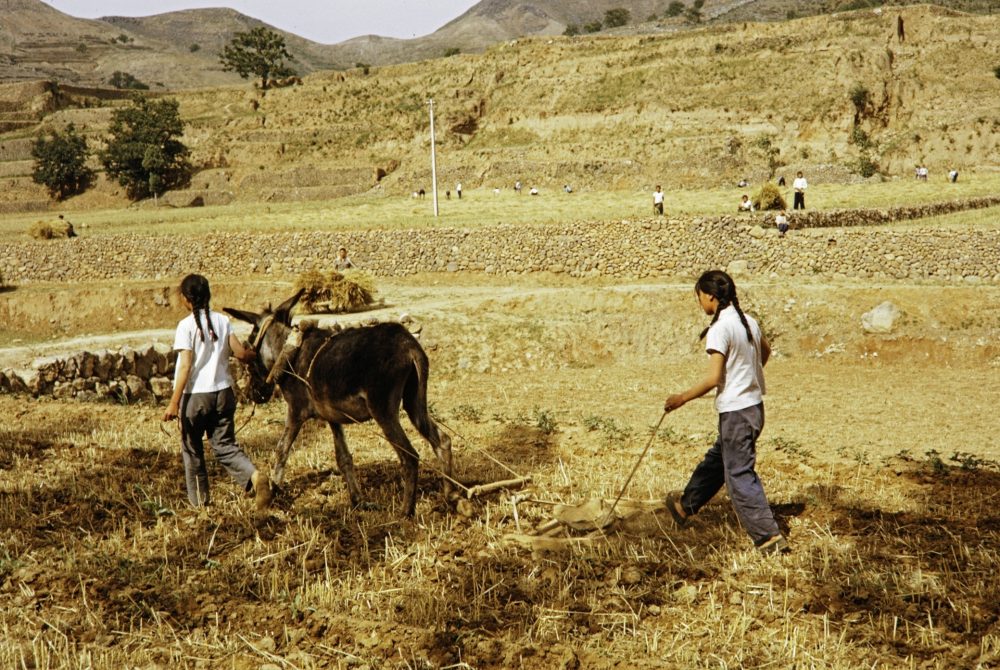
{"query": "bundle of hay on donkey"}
[(333, 292)]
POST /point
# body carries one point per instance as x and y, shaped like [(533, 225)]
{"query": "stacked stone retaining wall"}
[(847, 246)]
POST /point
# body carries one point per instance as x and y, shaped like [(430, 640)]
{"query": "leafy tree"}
[(126, 80), (573, 29), (61, 163), (619, 16), (693, 15), (452, 51), (364, 67), (194, 47), (143, 152), (675, 8), (592, 27), (260, 52)]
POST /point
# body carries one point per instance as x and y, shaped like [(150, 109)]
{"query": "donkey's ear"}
[(249, 317), (283, 313)]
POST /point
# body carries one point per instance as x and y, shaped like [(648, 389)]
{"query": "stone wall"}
[(849, 246)]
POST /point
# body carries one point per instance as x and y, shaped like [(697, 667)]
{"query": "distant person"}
[(781, 221), (447, 195), (953, 175), (533, 191), (203, 400), (342, 261), (781, 180), (800, 185), (421, 193), (658, 201), (924, 173), (567, 188), (900, 30), (745, 204), (517, 187), (743, 183), (458, 190), (496, 191)]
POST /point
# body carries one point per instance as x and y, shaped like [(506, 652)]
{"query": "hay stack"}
[(45, 230), (334, 292)]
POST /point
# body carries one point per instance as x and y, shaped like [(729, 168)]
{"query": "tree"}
[(143, 153), (616, 17), (675, 8), (260, 52), (592, 27), (61, 163), (571, 30)]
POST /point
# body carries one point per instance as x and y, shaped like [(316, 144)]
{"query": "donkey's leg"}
[(292, 426), (345, 462), (408, 458), (438, 440)]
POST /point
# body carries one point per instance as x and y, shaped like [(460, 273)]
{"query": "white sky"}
[(324, 21)]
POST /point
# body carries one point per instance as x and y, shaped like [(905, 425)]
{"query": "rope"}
[(477, 449)]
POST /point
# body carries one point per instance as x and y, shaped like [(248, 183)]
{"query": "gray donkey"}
[(348, 376)]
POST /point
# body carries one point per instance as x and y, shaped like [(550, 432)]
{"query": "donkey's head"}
[(270, 330)]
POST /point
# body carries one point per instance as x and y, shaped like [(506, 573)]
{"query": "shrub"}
[(860, 96), (571, 30), (614, 18), (452, 51), (334, 292), (124, 80), (194, 47), (867, 166), (769, 197), (592, 27), (675, 8), (996, 71)]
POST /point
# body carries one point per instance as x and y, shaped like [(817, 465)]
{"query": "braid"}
[(743, 318), (721, 286), (195, 288)]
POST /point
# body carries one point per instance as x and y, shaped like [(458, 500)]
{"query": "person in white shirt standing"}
[(658, 201), (203, 398), (800, 185), (737, 353)]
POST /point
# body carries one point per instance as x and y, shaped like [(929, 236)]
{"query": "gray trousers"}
[(210, 414), (731, 461)]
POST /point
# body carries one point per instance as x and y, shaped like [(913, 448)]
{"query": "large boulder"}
[(881, 319)]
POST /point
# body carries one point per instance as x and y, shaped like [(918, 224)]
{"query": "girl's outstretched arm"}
[(242, 353), (716, 365)]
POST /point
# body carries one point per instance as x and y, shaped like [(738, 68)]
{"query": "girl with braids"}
[(203, 398), (737, 354)]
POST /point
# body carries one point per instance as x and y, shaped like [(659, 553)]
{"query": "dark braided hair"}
[(195, 289), (721, 286)]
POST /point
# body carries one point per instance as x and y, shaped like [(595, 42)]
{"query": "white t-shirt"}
[(800, 184), (210, 368), (742, 383), (657, 197)]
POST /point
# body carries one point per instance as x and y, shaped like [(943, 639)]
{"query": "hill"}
[(703, 106)]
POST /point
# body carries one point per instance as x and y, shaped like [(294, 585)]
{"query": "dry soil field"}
[(879, 458)]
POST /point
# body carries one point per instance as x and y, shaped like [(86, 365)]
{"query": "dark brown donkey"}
[(348, 376)]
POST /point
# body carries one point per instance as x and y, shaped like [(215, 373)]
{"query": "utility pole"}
[(434, 177)]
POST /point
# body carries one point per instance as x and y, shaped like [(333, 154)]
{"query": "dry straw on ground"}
[(334, 292)]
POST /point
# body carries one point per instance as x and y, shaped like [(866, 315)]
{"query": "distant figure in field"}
[(496, 191), (458, 190), (421, 193), (658, 201), (745, 204), (781, 221), (447, 195), (743, 183), (900, 31), (517, 187), (953, 175), (781, 180), (923, 173), (800, 185), (342, 261), (567, 188), (533, 191)]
